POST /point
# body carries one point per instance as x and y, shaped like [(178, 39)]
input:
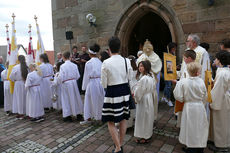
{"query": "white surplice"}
[(33, 96), (56, 89), (70, 96), (8, 97), (47, 74), (19, 95), (194, 123), (156, 66), (94, 95), (221, 108), (145, 95)]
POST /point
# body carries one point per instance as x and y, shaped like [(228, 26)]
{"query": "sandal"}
[(142, 141)]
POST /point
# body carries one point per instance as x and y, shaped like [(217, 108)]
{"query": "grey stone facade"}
[(118, 17)]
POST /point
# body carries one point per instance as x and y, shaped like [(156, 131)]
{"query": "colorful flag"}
[(30, 58), (8, 42), (13, 55), (40, 46)]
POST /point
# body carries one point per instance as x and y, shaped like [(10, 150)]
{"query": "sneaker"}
[(163, 99), (34, 119), (85, 122), (40, 119), (170, 103)]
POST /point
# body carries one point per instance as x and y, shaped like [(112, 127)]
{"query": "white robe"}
[(145, 94), (19, 95), (156, 66), (33, 97), (56, 89), (70, 96), (194, 122), (220, 108), (94, 95), (47, 74), (8, 97)]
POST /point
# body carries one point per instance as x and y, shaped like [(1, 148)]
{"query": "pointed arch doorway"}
[(150, 21)]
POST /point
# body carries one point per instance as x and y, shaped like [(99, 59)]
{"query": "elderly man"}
[(2, 67), (202, 55), (59, 57)]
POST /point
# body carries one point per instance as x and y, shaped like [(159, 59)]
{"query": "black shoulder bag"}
[(131, 99)]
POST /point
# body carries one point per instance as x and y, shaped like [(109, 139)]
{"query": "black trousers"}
[(1, 94), (195, 150)]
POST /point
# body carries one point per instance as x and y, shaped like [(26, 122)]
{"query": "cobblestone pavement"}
[(54, 135)]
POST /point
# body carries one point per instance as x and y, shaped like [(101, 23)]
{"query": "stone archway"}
[(135, 12)]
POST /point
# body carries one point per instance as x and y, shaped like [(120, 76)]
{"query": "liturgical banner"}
[(169, 67)]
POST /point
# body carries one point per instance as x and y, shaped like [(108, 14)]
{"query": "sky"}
[(24, 11)]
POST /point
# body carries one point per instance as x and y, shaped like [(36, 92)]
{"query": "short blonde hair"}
[(37, 68), (193, 68)]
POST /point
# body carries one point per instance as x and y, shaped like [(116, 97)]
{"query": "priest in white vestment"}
[(70, 97)]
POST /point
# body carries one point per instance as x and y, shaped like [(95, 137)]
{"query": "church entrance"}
[(154, 21), (152, 27)]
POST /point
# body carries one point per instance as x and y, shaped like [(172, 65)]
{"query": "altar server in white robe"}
[(56, 89), (33, 97), (47, 75), (220, 106), (194, 122), (94, 95), (70, 97), (145, 94), (18, 76), (156, 66), (8, 97), (188, 57)]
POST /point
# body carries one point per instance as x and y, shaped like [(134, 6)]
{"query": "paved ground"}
[(54, 135)]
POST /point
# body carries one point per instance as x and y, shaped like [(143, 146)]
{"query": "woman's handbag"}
[(131, 99)]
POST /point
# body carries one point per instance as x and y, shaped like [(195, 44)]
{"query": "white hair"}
[(195, 38)]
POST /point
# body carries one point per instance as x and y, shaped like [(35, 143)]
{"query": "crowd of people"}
[(123, 90)]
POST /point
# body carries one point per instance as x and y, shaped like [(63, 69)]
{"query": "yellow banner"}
[(170, 67)]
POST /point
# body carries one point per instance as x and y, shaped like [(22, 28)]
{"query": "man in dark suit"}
[(2, 67)]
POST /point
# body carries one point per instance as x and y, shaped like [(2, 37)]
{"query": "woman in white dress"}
[(8, 97), (47, 75), (220, 106), (194, 122), (94, 95), (18, 76), (145, 94), (32, 85)]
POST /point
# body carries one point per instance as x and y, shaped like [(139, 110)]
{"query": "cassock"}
[(33, 97), (145, 95), (194, 123), (56, 90), (156, 66), (8, 97), (220, 108), (47, 74), (94, 95), (70, 96), (19, 95)]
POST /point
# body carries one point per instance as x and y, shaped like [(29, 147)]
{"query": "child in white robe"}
[(220, 106), (56, 89), (18, 76), (194, 122), (70, 97), (8, 97), (32, 85), (145, 94), (47, 75), (94, 95), (189, 56)]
